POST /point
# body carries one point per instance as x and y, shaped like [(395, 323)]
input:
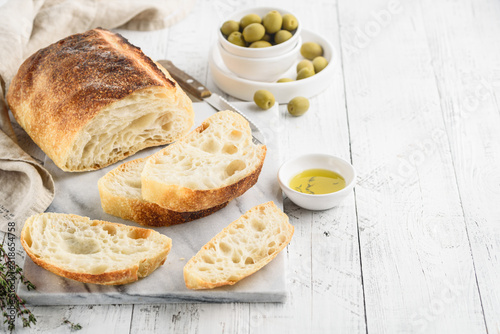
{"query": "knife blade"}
[(199, 91)]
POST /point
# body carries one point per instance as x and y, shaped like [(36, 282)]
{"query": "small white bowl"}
[(260, 69), (311, 161), (272, 51)]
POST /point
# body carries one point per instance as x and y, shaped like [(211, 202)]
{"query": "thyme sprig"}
[(11, 305), (72, 326), (309, 185)]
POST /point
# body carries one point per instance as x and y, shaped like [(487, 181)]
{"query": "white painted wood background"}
[(413, 104)]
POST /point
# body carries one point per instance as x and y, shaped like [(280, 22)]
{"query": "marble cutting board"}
[(77, 193)]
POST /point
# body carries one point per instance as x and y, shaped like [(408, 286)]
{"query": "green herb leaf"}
[(11, 304), (73, 327)]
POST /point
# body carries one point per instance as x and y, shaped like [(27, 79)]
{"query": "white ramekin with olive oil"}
[(317, 181)]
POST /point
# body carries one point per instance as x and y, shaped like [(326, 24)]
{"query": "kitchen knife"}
[(196, 89)]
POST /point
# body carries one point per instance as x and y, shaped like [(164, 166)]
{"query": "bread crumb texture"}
[(77, 247), (217, 154), (241, 249)]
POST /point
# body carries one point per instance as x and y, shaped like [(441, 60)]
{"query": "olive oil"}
[(317, 182)]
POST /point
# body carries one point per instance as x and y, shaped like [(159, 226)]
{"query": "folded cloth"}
[(26, 187)]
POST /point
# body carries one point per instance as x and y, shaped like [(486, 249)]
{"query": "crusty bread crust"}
[(61, 88), (128, 275), (140, 211), (194, 281), (182, 199), (119, 277)]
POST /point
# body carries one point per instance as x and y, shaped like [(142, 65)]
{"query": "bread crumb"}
[(182, 258)]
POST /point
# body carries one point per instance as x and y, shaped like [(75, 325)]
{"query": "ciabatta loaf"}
[(215, 163), (239, 250), (92, 99), (120, 191), (93, 251)]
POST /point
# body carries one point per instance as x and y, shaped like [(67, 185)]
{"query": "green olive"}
[(236, 38), (260, 44), (272, 22), (319, 63), (267, 38), (285, 80), (249, 19), (253, 32), (311, 50), (298, 106), (282, 36), (290, 22), (305, 64), (229, 26), (264, 99), (304, 73)]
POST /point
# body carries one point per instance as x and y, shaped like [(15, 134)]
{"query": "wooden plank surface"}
[(417, 266), (469, 87), (413, 102)]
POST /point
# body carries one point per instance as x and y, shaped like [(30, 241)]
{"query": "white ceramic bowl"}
[(309, 161), (272, 51), (267, 69)]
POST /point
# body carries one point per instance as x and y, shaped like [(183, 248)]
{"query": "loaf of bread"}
[(92, 99), (215, 163), (93, 251), (239, 250), (120, 191)]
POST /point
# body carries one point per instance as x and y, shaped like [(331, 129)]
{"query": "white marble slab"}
[(77, 193)]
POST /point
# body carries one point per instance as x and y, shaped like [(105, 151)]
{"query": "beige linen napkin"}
[(26, 187)]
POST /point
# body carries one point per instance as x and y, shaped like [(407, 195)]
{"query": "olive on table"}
[(253, 32), (260, 44), (264, 99), (237, 38), (304, 63), (289, 22), (229, 26), (285, 80), (319, 63), (282, 36), (311, 50), (272, 22), (249, 19), (305, 73), (298, 106)]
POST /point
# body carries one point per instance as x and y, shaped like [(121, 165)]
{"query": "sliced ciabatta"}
[(240, 249), (120, 191), (213, 164), (93, 251)]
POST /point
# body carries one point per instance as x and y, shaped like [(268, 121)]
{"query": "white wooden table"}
[(416, 248)]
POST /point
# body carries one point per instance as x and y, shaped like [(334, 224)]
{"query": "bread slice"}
[(93, 251), (92, 99), (239, 250), (120, 191), (215, 163)]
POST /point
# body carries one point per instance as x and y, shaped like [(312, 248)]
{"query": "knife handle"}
[(187, 82)]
